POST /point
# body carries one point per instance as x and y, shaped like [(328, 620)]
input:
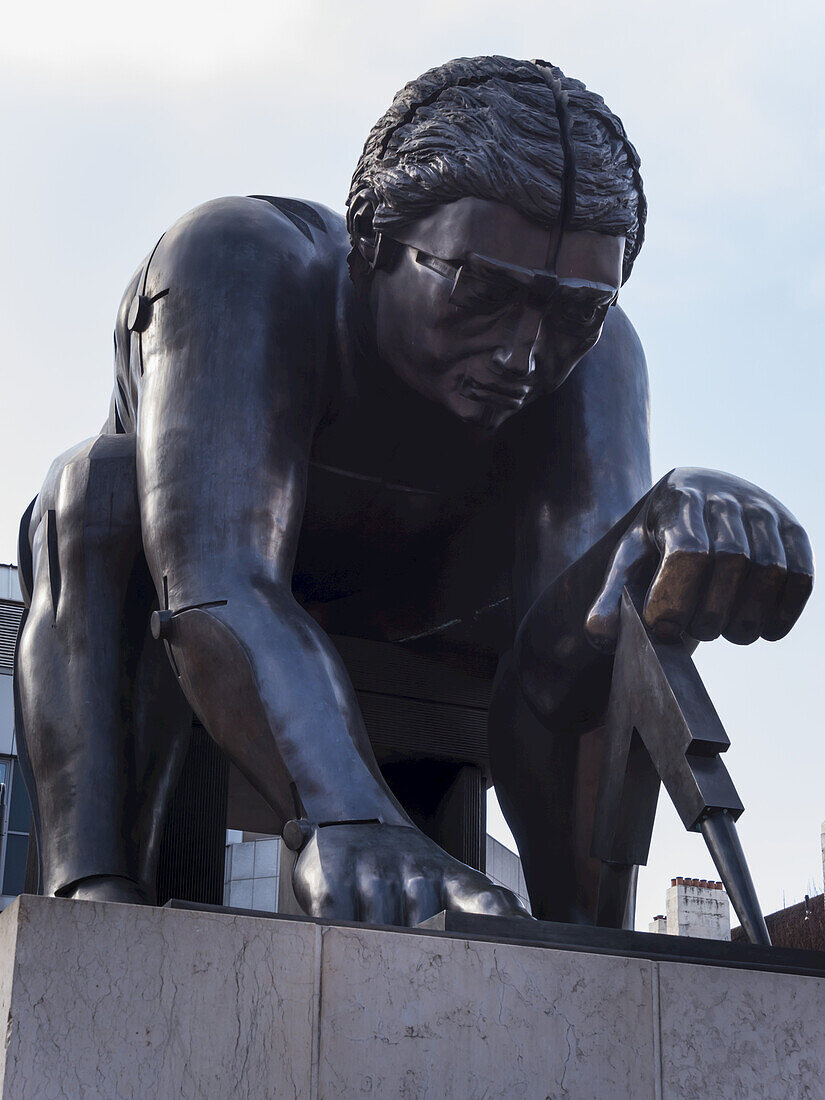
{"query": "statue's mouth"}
[(508, 395)]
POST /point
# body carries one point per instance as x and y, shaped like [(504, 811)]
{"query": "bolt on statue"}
[(388, 421)]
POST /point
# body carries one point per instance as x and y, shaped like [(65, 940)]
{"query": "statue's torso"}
[(384, 496), (394, 484)]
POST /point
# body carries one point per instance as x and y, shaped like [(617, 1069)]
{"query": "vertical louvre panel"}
[(192, 850), (462, 824), (10, 616)]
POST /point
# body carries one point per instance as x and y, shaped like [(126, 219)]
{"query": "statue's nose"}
[(513, 361), (514, 355)]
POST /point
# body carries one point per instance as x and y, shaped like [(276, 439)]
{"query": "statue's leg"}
[(161, 724), (79, 652), (546, 782)]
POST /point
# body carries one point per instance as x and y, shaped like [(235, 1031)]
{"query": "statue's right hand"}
[(389, 874)]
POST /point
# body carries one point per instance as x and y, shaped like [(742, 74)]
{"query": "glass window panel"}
[(14, 877), (20, 810), (5, 771)]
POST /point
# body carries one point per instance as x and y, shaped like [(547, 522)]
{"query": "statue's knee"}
[(85, 523), (94, 512), (97, 491)]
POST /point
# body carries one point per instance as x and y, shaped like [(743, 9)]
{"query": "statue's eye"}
[(444, 268), (581, 311), (483, 293), (581, 314)]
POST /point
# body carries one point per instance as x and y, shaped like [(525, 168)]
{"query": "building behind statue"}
[(695, 907), (15, 810)]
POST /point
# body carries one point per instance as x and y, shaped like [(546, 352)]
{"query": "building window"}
[(16, 814)]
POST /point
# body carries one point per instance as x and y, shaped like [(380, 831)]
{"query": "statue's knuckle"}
[(758, 513), (723, 499), (732, 557), (768, 564), (689, 495), (795, 535), (803, 579), (690, 552)]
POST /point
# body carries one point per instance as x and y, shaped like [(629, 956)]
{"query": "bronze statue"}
[(393, 423)]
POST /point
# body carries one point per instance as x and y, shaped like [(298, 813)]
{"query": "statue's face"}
[(482, 310)]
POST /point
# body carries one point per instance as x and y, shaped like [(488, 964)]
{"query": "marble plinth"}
[(120, 1001)]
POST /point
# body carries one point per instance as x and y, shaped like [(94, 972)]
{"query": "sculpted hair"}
[(518, 132)]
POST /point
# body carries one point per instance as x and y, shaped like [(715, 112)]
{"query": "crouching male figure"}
[(434, 403)]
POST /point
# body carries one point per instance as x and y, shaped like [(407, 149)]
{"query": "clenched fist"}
[(725, 556)]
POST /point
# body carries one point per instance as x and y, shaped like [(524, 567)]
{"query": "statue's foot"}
[(106, 888), (390, 874)]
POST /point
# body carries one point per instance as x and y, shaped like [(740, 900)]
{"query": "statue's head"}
[(495, 211)]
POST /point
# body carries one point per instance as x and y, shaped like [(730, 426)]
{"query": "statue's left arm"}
[(709, 553)]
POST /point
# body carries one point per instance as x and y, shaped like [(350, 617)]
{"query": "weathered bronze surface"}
[(427, 425)]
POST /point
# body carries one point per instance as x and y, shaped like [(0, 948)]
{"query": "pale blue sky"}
[(118, 118)]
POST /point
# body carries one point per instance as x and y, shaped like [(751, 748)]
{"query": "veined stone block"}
[(741, 1033), (119, 1001), (409, 1016)]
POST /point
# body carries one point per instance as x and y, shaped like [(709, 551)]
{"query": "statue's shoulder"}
[(312, 220), (619, 345), (256, 229), (619, 333)]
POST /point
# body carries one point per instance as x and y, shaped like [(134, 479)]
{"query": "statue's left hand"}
[(725, 558)]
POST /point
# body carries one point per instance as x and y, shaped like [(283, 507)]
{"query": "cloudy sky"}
[(118, 118)]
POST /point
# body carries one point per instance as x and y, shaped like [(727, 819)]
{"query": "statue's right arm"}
[(232, 385), (235, 378)]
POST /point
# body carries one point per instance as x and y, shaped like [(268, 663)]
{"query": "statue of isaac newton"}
[(430, 409)]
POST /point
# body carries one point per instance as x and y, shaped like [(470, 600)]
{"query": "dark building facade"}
[(801, 925)]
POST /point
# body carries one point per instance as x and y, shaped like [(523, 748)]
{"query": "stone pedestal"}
[(107, 1001)]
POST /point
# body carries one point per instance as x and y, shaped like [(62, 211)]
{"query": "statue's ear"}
[(365, 240)]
